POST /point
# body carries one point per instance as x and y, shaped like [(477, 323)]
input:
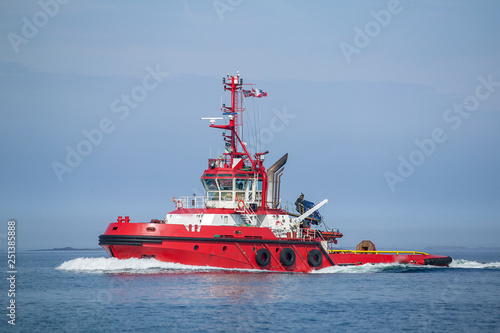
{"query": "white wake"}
[(133, 265), (150, 266), (372, 268), (463, 263), (394, 267)]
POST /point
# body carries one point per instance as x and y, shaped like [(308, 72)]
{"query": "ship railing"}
[(310, 234), (249, 215), (281, 233), (190, 202), (301, 234), (290, 208), (378, 252), (225, 161)]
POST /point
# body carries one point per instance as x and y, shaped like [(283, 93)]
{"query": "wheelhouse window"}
[(240, 184), (258, 193), (226, 184), (227, 196), (210, 184), (250, 192), (213, 196)]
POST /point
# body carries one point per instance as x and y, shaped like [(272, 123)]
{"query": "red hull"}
[(237, 248)]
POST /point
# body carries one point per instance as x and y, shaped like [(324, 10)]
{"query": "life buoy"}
[(263, 257), (315, 258), (287, 257), (278, 222), (241, 204), (178, 204)]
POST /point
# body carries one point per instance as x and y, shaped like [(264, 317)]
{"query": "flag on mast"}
[(254, 93), (259, 93)]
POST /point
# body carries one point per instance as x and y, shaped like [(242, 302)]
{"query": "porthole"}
[(224, 248), (196, 247)]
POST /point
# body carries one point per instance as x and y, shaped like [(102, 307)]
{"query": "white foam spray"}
[(133, 266), (149, 266), (463, 263)]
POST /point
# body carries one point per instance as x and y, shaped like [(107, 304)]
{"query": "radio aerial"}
[(212, 119)]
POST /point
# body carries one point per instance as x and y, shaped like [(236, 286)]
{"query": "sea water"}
[(79, 291)]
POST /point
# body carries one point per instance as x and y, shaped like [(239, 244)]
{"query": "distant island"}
[(460, 248), (70, 249)]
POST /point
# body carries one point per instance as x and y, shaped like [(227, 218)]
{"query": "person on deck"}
[(299, 206)]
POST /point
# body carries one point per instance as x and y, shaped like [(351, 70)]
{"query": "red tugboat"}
[(240, 222)]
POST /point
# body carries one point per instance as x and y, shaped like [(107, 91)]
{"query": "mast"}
[(234, 85), (234, 158)]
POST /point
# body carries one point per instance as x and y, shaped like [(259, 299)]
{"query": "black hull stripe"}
[(140, 240)]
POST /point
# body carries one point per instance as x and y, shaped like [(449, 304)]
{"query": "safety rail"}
[(190, 202), (289, 207), (378, 252), (247, 214), (280, 233)]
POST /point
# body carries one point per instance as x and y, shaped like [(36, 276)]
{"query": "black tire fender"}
[(287, 257), (315, 258), (263, 257)]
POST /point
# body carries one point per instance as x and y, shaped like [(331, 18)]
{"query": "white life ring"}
[(241, 204)]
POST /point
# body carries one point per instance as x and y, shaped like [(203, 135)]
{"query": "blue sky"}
[(390, 109)]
